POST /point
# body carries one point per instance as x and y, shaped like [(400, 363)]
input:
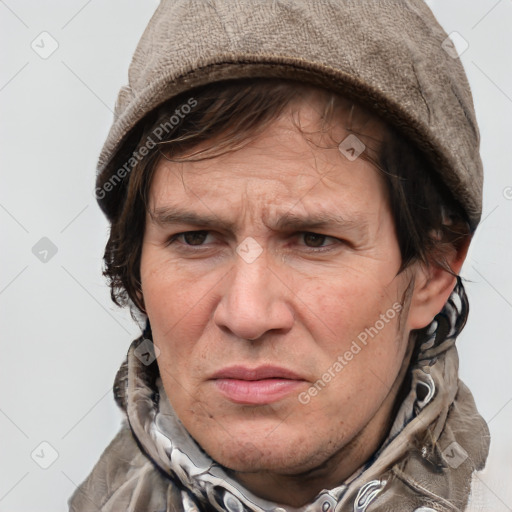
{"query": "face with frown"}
[(260, 269)]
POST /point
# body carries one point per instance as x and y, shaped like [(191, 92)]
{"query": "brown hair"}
[(429, 222)]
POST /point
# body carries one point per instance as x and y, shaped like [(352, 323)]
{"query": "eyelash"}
[(173, 238)]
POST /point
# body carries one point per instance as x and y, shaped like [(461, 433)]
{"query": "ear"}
[(433, 286)]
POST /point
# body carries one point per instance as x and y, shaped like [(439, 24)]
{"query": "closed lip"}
[(258, 373), (258, 386)]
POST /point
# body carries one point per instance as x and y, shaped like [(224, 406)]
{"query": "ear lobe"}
[(433, 286)]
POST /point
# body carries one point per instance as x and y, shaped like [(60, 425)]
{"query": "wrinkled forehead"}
[(281, 170)]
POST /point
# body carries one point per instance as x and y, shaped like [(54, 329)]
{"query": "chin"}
[(249, 455)]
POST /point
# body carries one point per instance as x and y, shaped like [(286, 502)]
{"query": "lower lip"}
[(257, 392)]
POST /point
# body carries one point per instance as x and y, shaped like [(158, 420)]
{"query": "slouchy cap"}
[(391, 56)]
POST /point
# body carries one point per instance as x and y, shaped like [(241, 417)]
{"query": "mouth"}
[(256, 386)]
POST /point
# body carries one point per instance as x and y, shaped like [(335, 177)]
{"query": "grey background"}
[(62, 340)]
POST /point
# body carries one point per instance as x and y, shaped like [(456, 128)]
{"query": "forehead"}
[(297, 159)]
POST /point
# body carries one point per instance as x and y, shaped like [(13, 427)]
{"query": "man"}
[(292, 189)]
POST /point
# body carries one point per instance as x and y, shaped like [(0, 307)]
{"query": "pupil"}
[(315, 238), (195, 236)]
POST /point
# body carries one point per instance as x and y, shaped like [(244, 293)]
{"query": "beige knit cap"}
[(390, 55)]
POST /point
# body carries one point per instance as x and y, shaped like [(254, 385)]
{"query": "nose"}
[(255, 300)]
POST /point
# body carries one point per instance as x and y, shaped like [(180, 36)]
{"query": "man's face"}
[(278, 332)]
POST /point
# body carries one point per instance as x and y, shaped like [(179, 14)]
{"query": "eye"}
[(316, 240), (190, 238), (313, 239)]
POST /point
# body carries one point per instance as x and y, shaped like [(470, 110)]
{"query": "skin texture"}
[(293, 306)]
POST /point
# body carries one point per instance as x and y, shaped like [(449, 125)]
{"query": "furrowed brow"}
[(165, 216), (320, 220)]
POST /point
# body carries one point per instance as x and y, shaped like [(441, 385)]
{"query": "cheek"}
[(342, 307), (176, 303), (354, 323)]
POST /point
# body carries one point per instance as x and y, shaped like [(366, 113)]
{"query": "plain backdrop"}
[(62, 340)]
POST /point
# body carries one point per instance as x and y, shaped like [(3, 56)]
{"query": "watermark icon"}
[(351, 147), (343, 360), (152, 140), (147, 352), (44, 455), (249, 250), (45, 45), (454, 455), (44, 250), (507, 193), (455, 45)]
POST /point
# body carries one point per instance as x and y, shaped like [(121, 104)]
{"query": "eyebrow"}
[(165, 216)]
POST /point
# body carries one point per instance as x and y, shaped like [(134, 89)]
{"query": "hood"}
[(437, 439)]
